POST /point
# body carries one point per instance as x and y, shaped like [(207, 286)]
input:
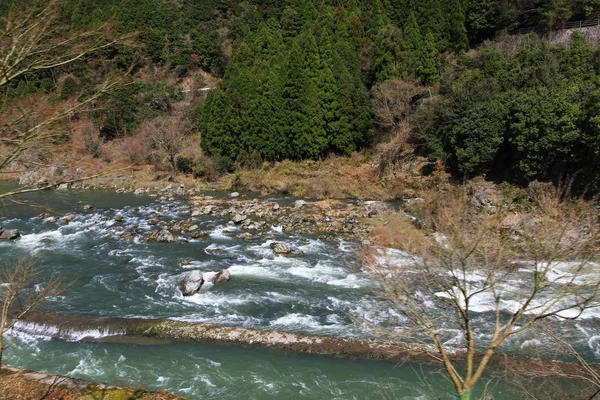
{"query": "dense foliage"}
[(291, 94), (531, 114), (296, 77)]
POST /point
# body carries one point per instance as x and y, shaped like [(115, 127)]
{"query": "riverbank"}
[(355, 177), (18, 384)]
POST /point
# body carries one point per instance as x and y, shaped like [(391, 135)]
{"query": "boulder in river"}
[(198, 234), (9, 234), (191, 283), (239, 218), (221, 277), (280, 248), (165, 236)]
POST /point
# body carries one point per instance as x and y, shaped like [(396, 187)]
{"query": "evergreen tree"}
[(293, 115), (386, 54), (217, 139), (420, 55), (455, 30), (376, 20)]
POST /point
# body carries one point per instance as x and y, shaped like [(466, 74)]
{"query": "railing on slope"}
[(566, 25)]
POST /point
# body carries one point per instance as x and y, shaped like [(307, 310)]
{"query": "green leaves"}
[(477, 136), (529, 115)]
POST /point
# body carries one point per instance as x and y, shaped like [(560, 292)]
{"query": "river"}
[(322, 292)]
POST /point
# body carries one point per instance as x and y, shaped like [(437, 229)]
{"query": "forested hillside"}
[(304, 79)]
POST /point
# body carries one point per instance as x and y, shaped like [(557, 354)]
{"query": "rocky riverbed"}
[(254, 217)]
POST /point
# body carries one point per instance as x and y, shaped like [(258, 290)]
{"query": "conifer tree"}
[(376, 19), (216, 136), (429, 72), (420, 55), (293, 115), (290, 22), (456, 33)]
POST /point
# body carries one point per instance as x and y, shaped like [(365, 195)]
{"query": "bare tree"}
[(491, 274), (33, 39), (167, 135), (393, 102), (23, 287), (392, 106)]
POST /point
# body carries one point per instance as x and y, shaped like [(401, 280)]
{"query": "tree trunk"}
[(466, 395)]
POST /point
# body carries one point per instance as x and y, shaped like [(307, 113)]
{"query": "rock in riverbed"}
[(238, 218), (9, 234), (165, 236), (280, 248), (221, 277), (191, 283)]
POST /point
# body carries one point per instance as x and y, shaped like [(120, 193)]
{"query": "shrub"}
[(135, 149), (185, 165), (93, 144), (224, 164), (68, 89), (249, 159)]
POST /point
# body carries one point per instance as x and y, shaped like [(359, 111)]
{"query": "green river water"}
[(324, 292)]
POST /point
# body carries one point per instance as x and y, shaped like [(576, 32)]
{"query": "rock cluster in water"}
[(192, 281), (301, 217), (255, 218)]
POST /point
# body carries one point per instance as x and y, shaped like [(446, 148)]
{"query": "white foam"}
[(227, 249), (208, 279), (351, 281), (346, 247), (263, 250), (34, 240), (318, 273), (254, 270), (296, 320), (218, 300), (88, 366), (313, 247), (457, 337), (578, 273), (220, 232), (531, 343), (205, 379), (594, 344), (69, 334)]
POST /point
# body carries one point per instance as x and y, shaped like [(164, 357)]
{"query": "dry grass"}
[(396, 231), (14, 386), (334, 177)]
